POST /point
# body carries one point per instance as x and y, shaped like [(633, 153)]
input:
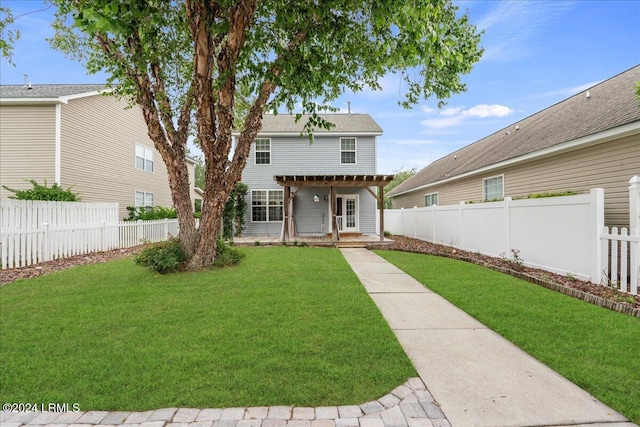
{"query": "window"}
[(267, 205), (493, 188), (431, 199), (143, 199), (347, 151), (144, 158), (263, 151)]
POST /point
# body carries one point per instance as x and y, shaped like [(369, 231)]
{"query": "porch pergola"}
[(333, 182)]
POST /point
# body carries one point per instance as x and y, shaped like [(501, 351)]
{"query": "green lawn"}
[(596, 348), (288, 326)]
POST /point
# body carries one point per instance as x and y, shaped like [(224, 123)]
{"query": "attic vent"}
[(588, 95)]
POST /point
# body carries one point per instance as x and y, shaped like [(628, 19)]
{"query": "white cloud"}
[(454, 116), (485, 110)]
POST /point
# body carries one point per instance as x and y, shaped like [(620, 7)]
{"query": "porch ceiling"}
[(333, 180)]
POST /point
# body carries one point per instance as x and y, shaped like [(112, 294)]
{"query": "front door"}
[(347, 213)]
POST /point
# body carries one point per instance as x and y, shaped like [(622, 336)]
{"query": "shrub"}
[(163, 257), (41, 192), (155, 212), (226, 255)]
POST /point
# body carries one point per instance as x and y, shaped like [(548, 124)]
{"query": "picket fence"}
[(564, 235), (20, 247), (22, 214)]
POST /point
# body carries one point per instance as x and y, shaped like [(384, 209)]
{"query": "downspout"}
[(58, 147)]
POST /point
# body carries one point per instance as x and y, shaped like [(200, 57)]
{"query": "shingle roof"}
[(612, 103), (47, 91), (352, 123)]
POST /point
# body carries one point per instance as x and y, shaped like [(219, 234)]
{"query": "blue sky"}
[(537, 53)]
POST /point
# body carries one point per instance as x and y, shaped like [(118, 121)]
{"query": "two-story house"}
[(323, 188), (77, 137)]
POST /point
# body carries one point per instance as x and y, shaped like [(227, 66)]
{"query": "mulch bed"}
[(603, 296), (13, 274)]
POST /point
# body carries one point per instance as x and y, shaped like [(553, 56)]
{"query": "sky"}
[(537, 53)]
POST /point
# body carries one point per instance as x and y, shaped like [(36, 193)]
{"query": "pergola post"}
[(334, 218), (381, 210), (285, 236)]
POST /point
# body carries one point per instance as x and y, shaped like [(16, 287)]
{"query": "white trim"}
[(586, 141), (255, 152), (484, 195), (344, 196), (67, 98), (431, 194), (58, 146), (53, 100), (268, 190), (355, 150), (325, 133)]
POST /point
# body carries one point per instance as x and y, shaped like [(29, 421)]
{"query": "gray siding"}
[(295, 156), (27, 146)]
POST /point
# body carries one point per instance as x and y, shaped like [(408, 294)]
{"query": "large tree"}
[(185, 62)]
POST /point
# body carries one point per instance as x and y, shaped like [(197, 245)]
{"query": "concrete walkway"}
[(477, 377)]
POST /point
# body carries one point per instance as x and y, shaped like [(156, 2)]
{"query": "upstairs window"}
[(263, 151), (144, 158), (347, 151), (493, 188), (431, 199)]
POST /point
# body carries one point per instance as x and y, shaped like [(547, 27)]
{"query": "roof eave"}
[(586, 141), (298, 134)]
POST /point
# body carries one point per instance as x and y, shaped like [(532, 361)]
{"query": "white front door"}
[(347, 213)]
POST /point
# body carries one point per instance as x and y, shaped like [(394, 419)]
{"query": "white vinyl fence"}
[(27, 238), (564, 235)]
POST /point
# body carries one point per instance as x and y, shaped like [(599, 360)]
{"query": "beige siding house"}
[(76, 136), (590, 140)]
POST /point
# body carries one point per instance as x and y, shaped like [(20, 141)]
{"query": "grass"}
[(597, 349), (288, 326)]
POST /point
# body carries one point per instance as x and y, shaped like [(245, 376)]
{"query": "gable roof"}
[(607, 105), (25, 94), (282, 124)]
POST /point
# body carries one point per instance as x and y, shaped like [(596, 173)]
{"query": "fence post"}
[(596, 227), (507, 223), (45, 242), (166, 229), (103, 236), (461, 224), (634, 202), (433, 223)]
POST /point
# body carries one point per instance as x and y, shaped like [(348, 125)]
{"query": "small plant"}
[(256, 243), (295, 243), (571, 277), (387, 233), (226, 255), (303, 244), (515, 261), (163, 257)]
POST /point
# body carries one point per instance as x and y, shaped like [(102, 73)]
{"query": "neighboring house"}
[(76, 136), (590, 140), (324, 186)]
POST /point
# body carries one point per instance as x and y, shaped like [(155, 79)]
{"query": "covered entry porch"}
[(340, 215)]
